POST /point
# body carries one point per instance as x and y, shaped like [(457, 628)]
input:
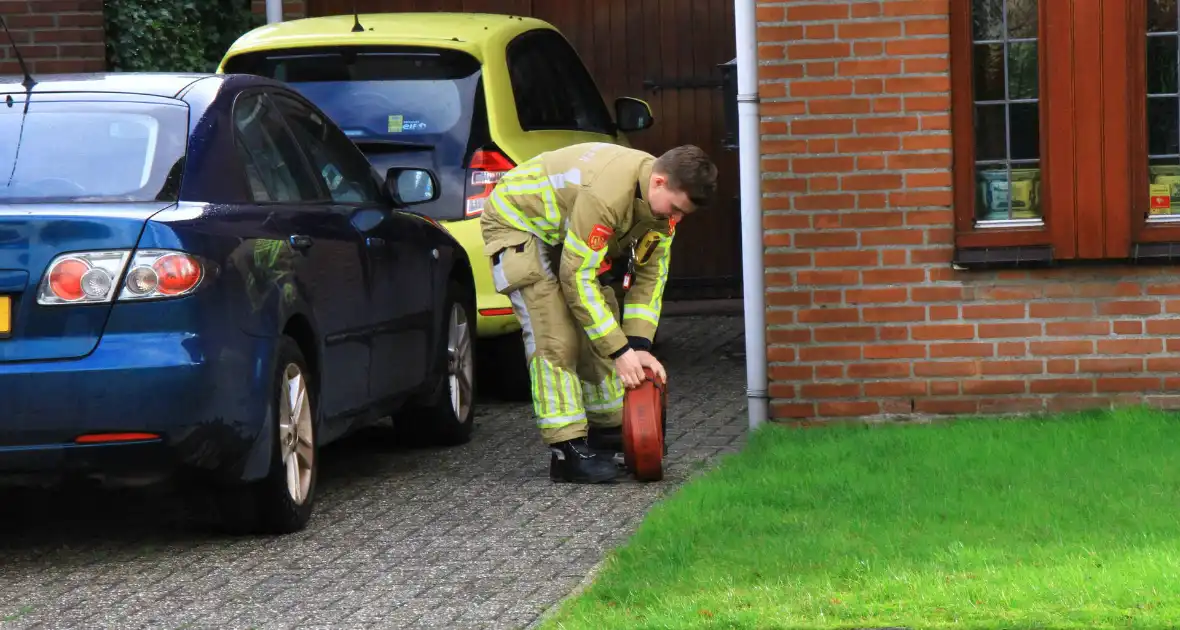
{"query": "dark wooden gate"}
[(666, 52)]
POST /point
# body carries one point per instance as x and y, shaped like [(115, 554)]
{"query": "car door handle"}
[(375, 241), (300, 242)]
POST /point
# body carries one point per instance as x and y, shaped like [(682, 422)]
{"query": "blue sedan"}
[(202, 277)]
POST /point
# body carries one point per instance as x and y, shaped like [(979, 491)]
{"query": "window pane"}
[(1163, 128), (988, 18), (1004, 194), (990, 133), (1024, 123), (1022, 71), (1161, 16), (1007, 111), (1161, 65), (989, 72), (1165, 186), (1022, 18)]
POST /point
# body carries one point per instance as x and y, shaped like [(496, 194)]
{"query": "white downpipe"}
[(750, 166), (274, 11)]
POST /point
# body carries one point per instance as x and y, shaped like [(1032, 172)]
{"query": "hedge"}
[(173, 35)]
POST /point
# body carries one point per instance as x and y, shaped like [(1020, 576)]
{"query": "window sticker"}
[(396, 124)]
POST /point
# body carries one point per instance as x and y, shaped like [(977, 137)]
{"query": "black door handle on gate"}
[(300, 242)]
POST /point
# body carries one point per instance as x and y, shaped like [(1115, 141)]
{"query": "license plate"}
[(5, 315)]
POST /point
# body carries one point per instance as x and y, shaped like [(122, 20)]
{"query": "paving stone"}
[(468, 537)]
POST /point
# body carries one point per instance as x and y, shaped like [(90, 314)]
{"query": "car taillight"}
[(485, 169), (160, 274), (82, 278), (93, 277)]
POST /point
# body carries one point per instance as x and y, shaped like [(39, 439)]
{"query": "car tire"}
[(447, 416), (282, 502)]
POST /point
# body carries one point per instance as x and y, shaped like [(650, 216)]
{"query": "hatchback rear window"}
[(394, 95), (108, 151)]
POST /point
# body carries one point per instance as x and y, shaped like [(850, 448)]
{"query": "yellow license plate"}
[(5, 315)]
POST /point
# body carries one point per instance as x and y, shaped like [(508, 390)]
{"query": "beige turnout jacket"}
[(591, 200)]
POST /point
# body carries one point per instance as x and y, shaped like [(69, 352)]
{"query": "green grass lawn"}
[(1063, 522)]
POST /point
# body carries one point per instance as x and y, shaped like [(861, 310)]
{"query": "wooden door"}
[(665, 52)]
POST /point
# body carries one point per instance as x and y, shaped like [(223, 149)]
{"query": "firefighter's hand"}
[(648, 361), (630, 369)]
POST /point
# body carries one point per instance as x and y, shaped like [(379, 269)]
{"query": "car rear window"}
[(394, 95), (90, 151)]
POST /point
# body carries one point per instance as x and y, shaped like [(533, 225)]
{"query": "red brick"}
[(943, 388), (871, 182), (1163, 326), (936, 294), (895, 351), (1129, 308), (817, 12), (829, 353), (994, 331), (1011, 404), (830, 390), (943, 331), (919, 161), (828, 278), (788, 259), (822, 165), (846, 409), (952, 350), (821, 31), (1109, 366), (928, 180), (926, 142), (1158, 364), (1130, 346), (845, 334), (868, 67), (791, 372), (1138, 384), (879, 370), (824, 107), (829, 372), (769, 14), (875, 296), (826, 50), (993, 387), (1052, 348), (788, 298), (1061, 310), (870, 219), (909, 47), (946, 368), (1076, 329), (894, 314), (943, 313), (846, 259), (833, 87), (828, 316), (1062, 386), (887, 124), (920, 198), (1128, 328), (825, 202), (1061, 366), (893, 276), (870, 30), (793, 410), (895, 389), (989, 368), (870, 144), (993, 311)]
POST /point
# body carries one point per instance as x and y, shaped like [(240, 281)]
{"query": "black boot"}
[(573, 461), (606, 438)]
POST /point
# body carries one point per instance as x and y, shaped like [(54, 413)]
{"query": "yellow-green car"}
[(467, 95)]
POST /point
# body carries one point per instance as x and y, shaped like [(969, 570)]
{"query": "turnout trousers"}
[(572, 384)]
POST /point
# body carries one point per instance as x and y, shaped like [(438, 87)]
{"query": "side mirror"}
[(632, 114), (411, 186)]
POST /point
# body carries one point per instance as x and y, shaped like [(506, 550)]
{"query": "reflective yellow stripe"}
[(557, 394), (557, 423), (650, 312), (509, 212), (589, 295)]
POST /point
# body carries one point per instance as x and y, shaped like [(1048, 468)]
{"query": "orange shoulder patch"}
[(599, 236)]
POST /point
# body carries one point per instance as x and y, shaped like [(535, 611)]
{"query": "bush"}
[(173, 35)]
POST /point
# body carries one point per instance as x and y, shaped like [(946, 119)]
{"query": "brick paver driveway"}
[(474, 536)]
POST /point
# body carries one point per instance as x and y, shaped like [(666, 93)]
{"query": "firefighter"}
[(552, 228)]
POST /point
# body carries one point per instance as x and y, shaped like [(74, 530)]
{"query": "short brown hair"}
[(689, 170)]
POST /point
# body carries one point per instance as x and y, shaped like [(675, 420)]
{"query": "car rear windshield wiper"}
[(391, 146)]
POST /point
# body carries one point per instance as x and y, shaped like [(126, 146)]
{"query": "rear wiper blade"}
[(384, 146)]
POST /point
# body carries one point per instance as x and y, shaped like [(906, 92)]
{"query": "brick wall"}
[(54, 35), (866, 316), (292, 9)]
